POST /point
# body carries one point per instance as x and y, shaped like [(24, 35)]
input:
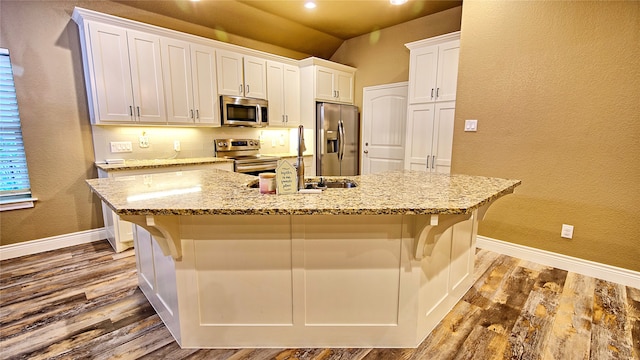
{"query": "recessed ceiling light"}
[(397, 2), (311, 4)]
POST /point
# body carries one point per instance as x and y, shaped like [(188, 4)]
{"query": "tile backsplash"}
[(194, 142)]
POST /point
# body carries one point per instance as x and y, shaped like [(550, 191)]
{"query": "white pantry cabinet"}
[(189, 72), (241, 75), (283, 93), (124, 70), (433, 69), (429, 137), (433, 74)]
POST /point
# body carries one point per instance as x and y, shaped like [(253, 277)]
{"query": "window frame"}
[(21, 198)]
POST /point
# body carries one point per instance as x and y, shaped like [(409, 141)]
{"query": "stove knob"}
[(252, 143)]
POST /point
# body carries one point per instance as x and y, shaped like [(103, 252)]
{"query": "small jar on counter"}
[(267, 183)]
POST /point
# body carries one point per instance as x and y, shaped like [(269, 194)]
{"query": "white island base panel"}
[(307, 280)]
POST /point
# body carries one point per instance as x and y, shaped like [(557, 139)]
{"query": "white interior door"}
[(384, 114)]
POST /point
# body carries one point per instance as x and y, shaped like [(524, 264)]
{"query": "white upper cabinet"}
[(241, 75), (333, 85), (190, 83), (283, 90), (433, 69), (124, 69)]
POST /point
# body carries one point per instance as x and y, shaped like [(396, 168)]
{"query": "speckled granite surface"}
[(158, 163), (202, 192)]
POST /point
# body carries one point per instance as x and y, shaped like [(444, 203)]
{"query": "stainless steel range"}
[(245, 153)]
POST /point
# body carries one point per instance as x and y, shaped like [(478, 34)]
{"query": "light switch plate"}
[(471, 125)]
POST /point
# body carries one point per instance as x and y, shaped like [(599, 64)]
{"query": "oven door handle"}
[(252, 168)]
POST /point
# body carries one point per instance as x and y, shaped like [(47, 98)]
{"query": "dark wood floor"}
[(83, 302)]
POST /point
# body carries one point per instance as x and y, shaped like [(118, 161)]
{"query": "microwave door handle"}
[(258, 114)]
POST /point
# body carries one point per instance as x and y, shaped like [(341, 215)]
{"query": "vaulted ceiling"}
[(288, 24)]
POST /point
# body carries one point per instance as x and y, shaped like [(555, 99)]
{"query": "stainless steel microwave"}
[(241, 111)]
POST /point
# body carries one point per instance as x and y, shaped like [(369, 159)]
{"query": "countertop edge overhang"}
[(220, 192), (160, 163)]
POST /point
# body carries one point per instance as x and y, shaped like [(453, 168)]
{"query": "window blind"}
[(14, 176)]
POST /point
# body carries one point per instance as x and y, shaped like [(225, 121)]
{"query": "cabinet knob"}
[(366, 151)]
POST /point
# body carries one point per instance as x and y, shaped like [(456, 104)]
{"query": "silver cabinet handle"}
[(283, 119), (432, 93), (191, 113), (433, 162), (138, 107), (427, 162), (131, 111), (286, 118), (437, 93), (241, 87), (247, 92), (197, 114)]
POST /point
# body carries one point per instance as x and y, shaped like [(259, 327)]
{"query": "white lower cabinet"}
[(120, 232), (157, 278), (429, 137)]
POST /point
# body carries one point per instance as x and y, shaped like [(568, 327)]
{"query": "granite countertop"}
[(203, 192), (159, 163)]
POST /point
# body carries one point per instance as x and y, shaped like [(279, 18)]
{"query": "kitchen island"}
[(378, 265)]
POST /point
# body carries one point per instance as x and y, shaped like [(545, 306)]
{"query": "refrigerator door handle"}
[(341, 143)]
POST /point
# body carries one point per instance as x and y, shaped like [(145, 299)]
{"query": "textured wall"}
[(381, 56), (555, 87)]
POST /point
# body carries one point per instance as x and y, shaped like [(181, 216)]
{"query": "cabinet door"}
[(292, 95), (144, 258), (205, 95), (444, 114), (447, 78), (324, 84), (255, 77), (146, 77), (423, 67), (229, 71), (344, 88), (275, 93), (112, 92), (419, 137), (176, 66)]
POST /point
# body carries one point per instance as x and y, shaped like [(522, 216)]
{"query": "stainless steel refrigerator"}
[(337, 139)]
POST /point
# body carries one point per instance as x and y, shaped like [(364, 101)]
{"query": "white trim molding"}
[(585, 267), (51, 243)]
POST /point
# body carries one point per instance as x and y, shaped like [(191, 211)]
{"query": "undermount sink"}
[(330, 184)]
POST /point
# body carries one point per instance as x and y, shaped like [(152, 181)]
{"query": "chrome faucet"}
[(300, 165)]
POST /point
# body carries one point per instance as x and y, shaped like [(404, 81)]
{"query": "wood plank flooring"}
[(83, 302)]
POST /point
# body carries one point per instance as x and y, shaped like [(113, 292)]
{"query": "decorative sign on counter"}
[(286, 178)]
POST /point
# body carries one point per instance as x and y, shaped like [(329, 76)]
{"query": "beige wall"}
[(555, 87), (44, 41), (382, 58)]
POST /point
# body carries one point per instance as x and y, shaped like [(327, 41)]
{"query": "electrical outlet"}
[(176, 145), (567, 231), (143, 141), (121, 146)]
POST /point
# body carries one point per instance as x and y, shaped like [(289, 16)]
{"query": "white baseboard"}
[(51, 243), (585, 267)]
